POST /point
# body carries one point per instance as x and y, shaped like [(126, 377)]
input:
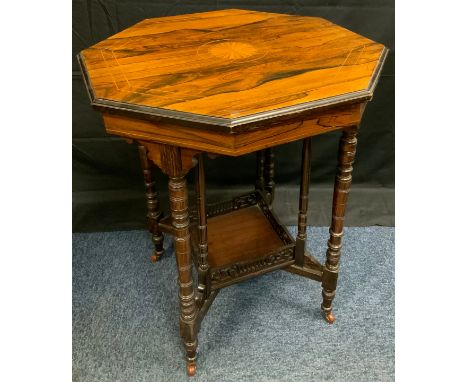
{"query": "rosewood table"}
[(233, 82)]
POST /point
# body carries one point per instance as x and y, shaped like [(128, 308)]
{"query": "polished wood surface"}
[(244, 235), (162, 156), (178, 201), (223, 66), (245, 240), (346, 154), (241, 143), (233, 82)]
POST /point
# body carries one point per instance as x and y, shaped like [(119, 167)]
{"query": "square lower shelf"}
[(245, 239)]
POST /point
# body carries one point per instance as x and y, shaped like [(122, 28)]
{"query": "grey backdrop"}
[(107, 182)]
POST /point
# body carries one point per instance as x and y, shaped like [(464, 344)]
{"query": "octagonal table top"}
[(231, 67)]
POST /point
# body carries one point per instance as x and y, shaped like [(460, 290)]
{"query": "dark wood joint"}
[(165, 225), (164, 156), (299, 251)]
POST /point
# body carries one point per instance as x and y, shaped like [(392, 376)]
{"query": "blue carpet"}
[(125, 316)]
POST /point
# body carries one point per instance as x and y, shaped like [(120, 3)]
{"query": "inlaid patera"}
[(233, 82), (232, 51), (231, 67)]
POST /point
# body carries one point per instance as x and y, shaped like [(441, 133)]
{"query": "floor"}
[(125, 310)]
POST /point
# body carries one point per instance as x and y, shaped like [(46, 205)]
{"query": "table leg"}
[(346, 154), (260, 182), (178, 200), (152, 202), (269, 174), (203, 280), (303, 203)]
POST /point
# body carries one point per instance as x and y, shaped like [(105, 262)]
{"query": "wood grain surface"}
[(217, 142), (240, 236), (224, 67)]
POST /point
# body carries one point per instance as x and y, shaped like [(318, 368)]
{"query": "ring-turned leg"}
[(178, 200), (203, 280), (303, 203), (269, 175), (265, 174), (152, 202), (260, 181), (346, 153)]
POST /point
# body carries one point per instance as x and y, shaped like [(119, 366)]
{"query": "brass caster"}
[(191, 368), (330, 317), (156, 256)]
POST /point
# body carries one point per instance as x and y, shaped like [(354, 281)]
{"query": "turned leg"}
[(152, 202), (203, 280), (260, 182), (178, 200), (346, 153), (269, 175), (303, 203)]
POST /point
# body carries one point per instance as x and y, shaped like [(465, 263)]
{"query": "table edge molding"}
[(230, 124)]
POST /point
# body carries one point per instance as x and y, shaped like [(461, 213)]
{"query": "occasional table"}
[(233, 82)]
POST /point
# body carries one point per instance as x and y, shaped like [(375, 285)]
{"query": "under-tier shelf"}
[(245, 239)]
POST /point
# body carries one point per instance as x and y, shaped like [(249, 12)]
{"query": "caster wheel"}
[(156, 256), (330, 317), (191, 369)]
